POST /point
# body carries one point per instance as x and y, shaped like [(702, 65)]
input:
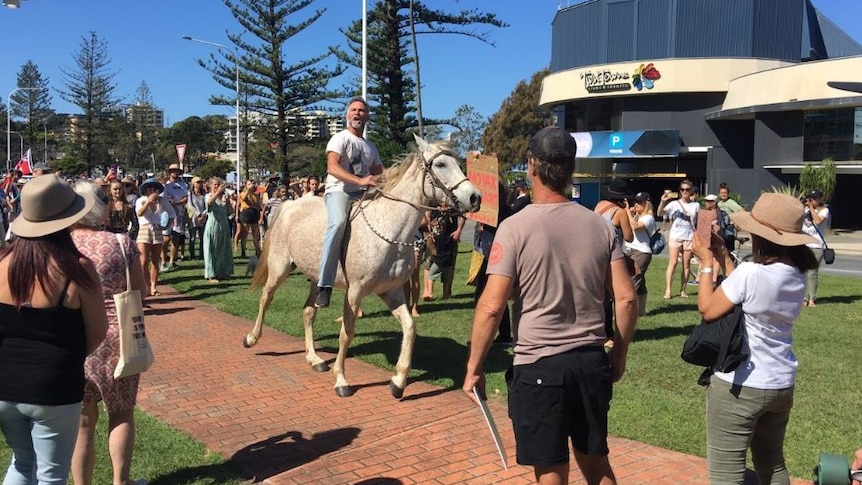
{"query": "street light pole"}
[(236, 66), (9, 126)]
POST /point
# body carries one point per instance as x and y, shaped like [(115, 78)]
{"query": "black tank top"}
[(42, 353)]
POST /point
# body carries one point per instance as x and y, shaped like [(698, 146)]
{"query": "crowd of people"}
[(575, 300)]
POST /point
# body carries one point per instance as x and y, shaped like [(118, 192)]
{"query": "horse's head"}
[(445, 182)]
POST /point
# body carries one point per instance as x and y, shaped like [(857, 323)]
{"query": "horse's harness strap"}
[(449, 192)]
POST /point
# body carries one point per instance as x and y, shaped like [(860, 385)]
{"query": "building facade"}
[(735, 91)]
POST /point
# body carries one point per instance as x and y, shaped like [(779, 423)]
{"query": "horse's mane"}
[(402, 164)]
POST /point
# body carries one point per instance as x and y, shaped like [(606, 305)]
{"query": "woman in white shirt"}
[(643, 225), (154, 214), (817, 221), (750, 406), (683, 213)]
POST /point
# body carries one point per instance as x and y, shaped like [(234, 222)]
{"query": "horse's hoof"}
[(343, 391), (397, 392), (321, 367), (246, 344)]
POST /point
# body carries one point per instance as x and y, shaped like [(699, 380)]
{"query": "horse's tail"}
[(261, 273)]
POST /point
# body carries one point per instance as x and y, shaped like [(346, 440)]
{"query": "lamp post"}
[(20, 144), (9, 125), (236, 66)]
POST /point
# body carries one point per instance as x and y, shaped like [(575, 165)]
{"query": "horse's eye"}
[(440, 165)]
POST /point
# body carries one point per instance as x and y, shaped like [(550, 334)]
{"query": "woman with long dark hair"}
[(51, 317), (750, 406), (121, 215)]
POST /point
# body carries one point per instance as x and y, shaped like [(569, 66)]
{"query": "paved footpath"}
[(282, 423)]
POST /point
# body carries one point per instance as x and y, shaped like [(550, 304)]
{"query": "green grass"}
[(162, 455), (657, 402)]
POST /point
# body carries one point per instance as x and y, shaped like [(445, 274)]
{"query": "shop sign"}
[(606, 81)]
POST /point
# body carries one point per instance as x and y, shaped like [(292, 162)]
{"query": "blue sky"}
[(144, 41)]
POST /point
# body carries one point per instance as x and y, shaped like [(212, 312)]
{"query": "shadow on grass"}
[(687, 307), (662, 333), (842, 299)]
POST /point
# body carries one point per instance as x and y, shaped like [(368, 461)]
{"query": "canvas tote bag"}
[(136, 356)]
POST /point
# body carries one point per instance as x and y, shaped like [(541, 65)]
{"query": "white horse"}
[(378, 257)]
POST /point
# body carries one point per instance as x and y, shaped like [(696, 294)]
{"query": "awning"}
[(850, 168)]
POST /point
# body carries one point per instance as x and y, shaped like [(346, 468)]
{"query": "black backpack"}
[(719, 345)]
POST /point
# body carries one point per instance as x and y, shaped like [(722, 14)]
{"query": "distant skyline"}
[(144, 43)]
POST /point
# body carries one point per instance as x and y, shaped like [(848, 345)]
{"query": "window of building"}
[(602, 114), (835, 134)]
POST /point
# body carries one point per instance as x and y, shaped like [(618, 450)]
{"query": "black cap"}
[(616, 189), (816, 194), (642, 197), (552, 144), (521, 184)]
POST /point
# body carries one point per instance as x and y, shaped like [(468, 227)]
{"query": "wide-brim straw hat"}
[(151, 182), (49, 205), (777, 218)]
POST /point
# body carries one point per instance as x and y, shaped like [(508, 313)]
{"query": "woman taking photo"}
[(248, 215), (750, 407), (817, 221), (643, 226), (682, 212), (218, 258), (154, 214), (51, 317), (110, 254)]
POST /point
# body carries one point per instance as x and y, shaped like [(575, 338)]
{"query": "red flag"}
[(24, 164)]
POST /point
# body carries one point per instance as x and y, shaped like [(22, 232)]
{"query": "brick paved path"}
[(281, 422)]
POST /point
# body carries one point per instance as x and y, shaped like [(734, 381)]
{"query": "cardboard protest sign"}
[(482, 172)]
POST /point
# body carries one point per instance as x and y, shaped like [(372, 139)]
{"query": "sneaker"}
[(164, 268), (323, 297)]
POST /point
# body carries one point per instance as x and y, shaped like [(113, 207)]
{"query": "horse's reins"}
[(437, 183)]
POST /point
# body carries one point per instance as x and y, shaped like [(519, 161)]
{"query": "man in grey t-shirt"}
[(555, 259)]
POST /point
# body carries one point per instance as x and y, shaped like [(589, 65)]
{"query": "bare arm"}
[(625, 312), (712, 304), (622, 219), (486, 320)]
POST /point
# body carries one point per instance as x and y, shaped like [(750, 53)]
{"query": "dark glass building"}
[(715, 91)]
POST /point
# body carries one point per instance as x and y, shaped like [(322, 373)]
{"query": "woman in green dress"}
[(218, 257)]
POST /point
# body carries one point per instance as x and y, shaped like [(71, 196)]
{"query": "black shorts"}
[(557, 399), (249, 216)]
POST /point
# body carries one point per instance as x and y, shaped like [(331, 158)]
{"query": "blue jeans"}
[(337, 211), (42, 439)]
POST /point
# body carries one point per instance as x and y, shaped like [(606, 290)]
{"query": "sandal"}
[(667, 296), (683, 295)]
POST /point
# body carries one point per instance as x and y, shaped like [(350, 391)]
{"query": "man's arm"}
[(625, 311), (486, 320)]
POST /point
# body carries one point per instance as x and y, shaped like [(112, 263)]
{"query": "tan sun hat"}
[(777, 218), (49, 205)]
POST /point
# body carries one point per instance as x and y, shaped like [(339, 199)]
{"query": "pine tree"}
[(391, 87), (471, 127), (90, 87), (268, 83), (518, 119), (32, 101)]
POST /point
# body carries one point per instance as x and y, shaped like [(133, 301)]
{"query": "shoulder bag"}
[(136, 356), (718, 345), (828, 253)]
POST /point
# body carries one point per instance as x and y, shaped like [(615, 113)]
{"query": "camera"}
[(804, 199)]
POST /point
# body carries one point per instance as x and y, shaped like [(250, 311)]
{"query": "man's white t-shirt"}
[(358, 155), (684, 216), (771, 297)]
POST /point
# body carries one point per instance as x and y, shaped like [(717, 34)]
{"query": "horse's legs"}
[(309, 311), (348, 330), (394, 299), (276, 274)]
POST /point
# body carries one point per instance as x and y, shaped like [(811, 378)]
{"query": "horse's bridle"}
[(449, 192), (435, 181)]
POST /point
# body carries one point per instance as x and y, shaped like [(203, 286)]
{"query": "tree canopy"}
[(519, 118)]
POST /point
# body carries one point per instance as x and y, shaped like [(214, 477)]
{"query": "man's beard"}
[(357, 124)]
